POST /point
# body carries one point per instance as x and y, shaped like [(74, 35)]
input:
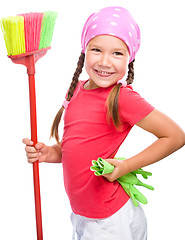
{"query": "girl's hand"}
[(119, 170), (39, 152)]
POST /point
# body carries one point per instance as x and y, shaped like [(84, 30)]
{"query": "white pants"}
[(129, 223)]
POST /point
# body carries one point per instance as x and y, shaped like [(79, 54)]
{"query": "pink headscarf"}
[(114, 21)]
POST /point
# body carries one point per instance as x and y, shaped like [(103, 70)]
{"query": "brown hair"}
[(112, 100), (113, 97), (55, 125)]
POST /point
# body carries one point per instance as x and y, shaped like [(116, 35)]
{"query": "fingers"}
[(114, 162), (32, 160), (39, 146), (120, 169), (32, 152), (110, 177), (32, 156), (27, 141)]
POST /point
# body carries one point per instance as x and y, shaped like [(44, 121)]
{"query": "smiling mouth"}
[(103, 73)]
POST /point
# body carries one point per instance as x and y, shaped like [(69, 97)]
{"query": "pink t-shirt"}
[(87, 136)]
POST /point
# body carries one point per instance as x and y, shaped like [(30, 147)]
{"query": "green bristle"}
[(48, 23)]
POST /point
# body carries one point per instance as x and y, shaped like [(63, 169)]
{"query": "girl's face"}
[(106, 61)]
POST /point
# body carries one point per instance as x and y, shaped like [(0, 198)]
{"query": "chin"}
[(105, 85)]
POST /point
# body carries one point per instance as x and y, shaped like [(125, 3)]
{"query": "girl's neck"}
[(89, 85)]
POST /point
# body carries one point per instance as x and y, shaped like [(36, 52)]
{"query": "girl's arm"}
[(170, 138), (54, 154), (42, 153)]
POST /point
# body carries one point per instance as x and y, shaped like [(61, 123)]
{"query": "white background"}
[(159, 77)]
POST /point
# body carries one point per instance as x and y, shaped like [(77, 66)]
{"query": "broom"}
[(27, 39)]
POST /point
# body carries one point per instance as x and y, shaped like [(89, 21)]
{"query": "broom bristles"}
[(28, 32), (32, 28), (13, 32), (48, 24)]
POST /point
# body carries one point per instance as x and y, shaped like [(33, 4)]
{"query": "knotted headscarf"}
[(114, 21)]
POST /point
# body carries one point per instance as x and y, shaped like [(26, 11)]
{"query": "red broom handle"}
[(33, 121)]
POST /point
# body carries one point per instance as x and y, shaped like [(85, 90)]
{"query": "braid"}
[(113, 98), (55, 125), (130, 77), (76, 75), (112, 105)]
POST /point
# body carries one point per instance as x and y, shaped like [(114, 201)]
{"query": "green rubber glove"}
[(145, 174), (127, 181)]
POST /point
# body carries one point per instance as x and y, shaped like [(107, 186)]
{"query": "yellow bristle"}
[(13, 32)]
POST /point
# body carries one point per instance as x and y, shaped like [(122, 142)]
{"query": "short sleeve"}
[(132, 107), (76, 89)]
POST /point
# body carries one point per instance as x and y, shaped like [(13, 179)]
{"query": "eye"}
[(95, 50), (118, 53)]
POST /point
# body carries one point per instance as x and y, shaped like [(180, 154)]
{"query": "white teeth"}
[(104, 72)]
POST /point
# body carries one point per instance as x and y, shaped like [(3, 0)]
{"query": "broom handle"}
[(33, 121)]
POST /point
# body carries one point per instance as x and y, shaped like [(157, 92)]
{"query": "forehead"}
[(108, 41)]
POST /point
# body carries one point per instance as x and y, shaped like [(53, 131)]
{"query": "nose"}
[(104, 60)]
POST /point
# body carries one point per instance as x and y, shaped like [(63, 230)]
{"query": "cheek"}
[(122, 68), (87, 66), (89, 62)]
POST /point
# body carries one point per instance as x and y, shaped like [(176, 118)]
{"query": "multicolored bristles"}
[(28, 32)]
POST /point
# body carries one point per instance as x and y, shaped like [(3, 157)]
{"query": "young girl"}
[(99, 114)]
